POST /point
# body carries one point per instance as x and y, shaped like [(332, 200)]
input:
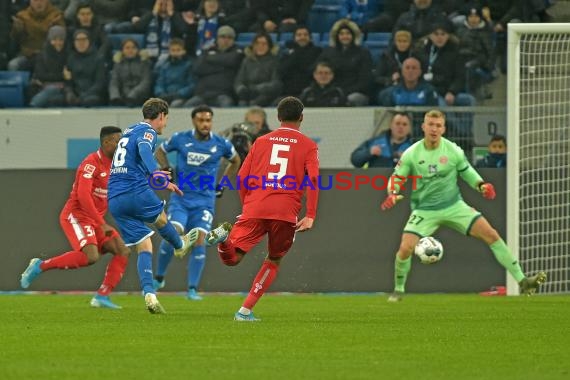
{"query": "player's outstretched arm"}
[(304, 224)]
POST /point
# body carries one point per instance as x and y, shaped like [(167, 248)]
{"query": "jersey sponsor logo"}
[(148, 136), (432, 169), (443, 160), (196, 159), (88, 171)]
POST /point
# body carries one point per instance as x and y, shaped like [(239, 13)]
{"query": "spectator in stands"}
[(215, 71), (442, 65), (280, 15), (412, 89), (358, 11), (174, 82), (210, 18), (131, 77), (85, 19), (297, 62), (385, 149), (258, 118), (386, 20), (157, 26), (420, 18), (84, 74), (352, 63), (136, 11), (110, 12), (185, 25), (476, 49), (257, 81), (387, 71), (29, 32), (47, 80), (497, 156), (323, 92)]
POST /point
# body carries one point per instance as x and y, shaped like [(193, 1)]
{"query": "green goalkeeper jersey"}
[(437, 188)]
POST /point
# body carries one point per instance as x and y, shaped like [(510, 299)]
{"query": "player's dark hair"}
[(201, 108), (499, 138), (290, 109), (153, 107), (107, 131)]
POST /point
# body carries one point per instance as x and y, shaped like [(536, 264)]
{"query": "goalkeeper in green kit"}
[(436, 201)]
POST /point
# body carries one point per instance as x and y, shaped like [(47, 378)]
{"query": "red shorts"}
[(247, 233), (81, 230)]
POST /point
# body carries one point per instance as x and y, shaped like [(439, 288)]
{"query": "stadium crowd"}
[(255, 52)]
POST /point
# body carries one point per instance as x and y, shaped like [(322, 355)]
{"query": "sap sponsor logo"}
[(196, 159)]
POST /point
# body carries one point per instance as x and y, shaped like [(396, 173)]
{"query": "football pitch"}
[(300, 337)]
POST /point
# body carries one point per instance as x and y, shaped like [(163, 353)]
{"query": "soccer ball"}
[(429, 250)]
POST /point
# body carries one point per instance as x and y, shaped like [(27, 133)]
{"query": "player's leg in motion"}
[(403, 264), (114, 273), (196, 263), (226, 249), (68, 260), (482, 230)]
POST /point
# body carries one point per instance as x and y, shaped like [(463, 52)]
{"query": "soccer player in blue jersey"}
[(198, 156), (132, 201)]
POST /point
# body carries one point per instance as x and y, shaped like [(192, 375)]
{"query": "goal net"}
[(538, 172)]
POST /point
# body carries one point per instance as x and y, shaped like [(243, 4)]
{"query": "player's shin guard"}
[(401, 270), (144, 267), (507, 260), (165, 253), (168, 232), (67, 260), (196, 266), (113, 275), (261, 283), (227, 253)]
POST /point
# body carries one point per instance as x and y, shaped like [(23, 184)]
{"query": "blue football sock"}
[(196, 265), (164, 256), (168, 232), (144, 267)]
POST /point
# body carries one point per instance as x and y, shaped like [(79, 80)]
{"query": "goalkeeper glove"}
[(487, 190), (219, 191), (391, 201)]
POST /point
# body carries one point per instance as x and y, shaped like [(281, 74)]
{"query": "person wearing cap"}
[(47, 80), (29, 31), (352, 63), (84, 74), (215, 71), (476, 50), (439, 53)]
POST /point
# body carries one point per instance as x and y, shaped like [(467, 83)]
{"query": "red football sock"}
[(262, 282), (67, 260), (113, 275), (227, 253)]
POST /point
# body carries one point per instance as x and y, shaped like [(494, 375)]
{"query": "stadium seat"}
[(244, 39), (13, 85), (373, 36), (322, 17), (117, 40), (376, 48)]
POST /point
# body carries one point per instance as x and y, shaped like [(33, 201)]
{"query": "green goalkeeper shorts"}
[(459, 216)]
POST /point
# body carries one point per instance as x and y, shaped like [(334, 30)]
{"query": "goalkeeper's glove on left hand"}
[(391, 201), (487, 190)]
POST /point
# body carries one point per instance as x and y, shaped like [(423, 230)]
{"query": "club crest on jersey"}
[(432, 169), (443, 160), (195, 159), (214, 149), (88, 171), (148, 136)]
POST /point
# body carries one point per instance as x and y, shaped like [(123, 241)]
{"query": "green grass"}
[(300, 337)]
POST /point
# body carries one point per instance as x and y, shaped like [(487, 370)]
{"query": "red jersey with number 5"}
[(280, 167), (89, 193)]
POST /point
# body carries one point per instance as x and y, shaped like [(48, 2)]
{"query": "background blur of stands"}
[(60, 138)]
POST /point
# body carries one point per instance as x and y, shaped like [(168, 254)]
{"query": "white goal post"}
[(538, 159)]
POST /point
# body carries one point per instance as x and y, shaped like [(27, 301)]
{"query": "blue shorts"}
[(200, 216), (132, 212)]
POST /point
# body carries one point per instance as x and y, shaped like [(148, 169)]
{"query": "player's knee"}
[(406, 249), (92, 257), (124, 251)]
